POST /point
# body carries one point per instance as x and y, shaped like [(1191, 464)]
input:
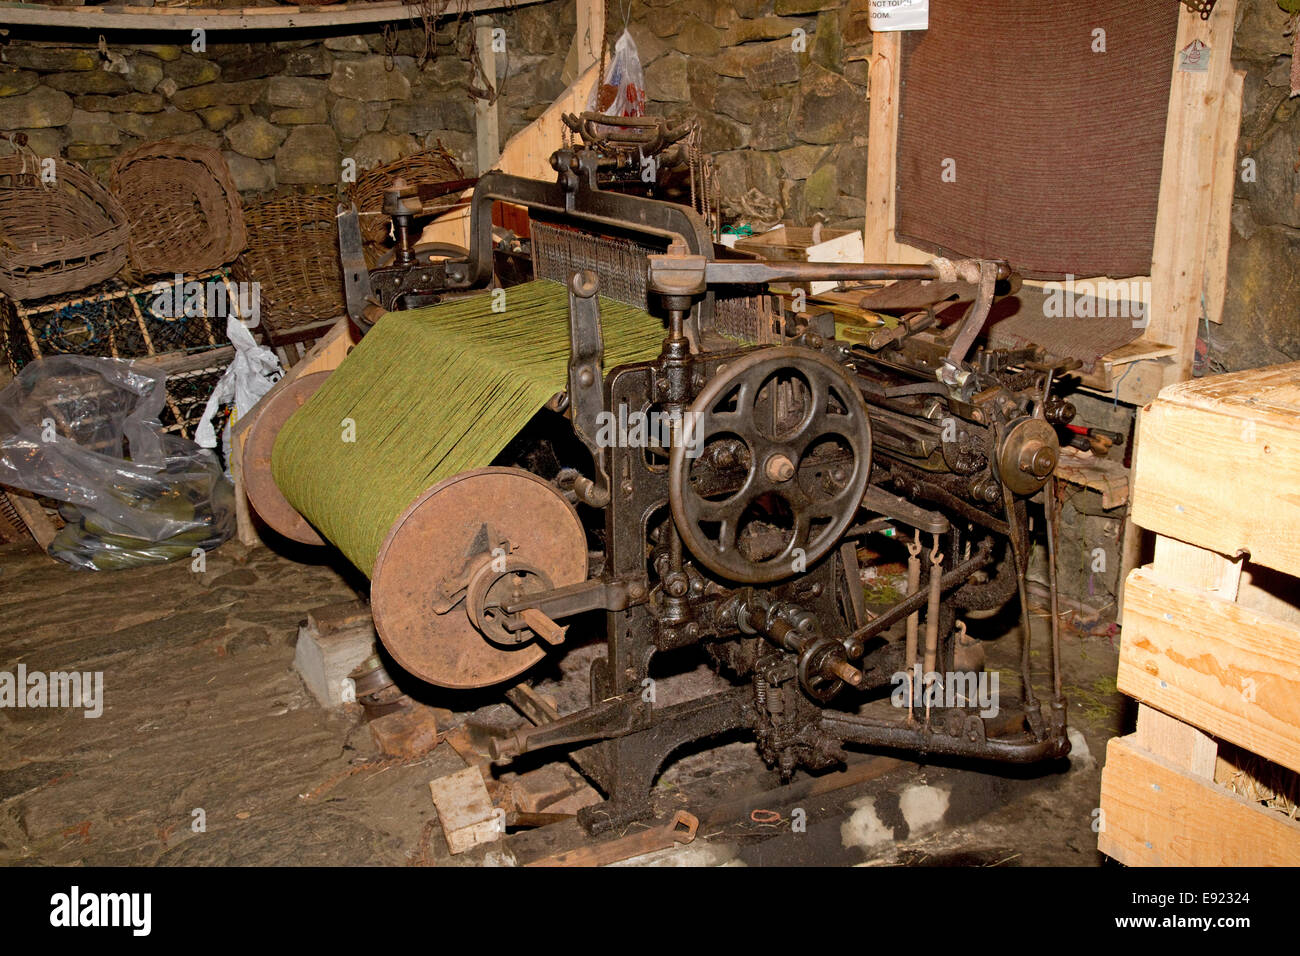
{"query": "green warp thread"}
[(430, 393)]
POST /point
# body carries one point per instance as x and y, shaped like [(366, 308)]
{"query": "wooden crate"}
[(1210, 646)]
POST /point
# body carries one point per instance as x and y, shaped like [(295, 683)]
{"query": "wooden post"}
[(1179, 266), (487, 122), (590, 35)]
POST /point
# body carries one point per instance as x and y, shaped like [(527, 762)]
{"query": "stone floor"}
[(209, 749)]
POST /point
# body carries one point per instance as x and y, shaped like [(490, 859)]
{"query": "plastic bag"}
[(250, 376), (622, 93), (85, 432)]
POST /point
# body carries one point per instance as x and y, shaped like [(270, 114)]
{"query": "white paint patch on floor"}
[(1081, 757), (863, 828), (922, 806)]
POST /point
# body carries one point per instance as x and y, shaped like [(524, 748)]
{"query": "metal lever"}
[(357, 292), (680, 273), (587, 380)]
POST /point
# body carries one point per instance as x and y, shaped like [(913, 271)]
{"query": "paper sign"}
[(1194, 58), (886, 15)]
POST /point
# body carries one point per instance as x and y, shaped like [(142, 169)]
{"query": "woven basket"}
[(293, 254), (433, 165), (59, 237), (183, 207)]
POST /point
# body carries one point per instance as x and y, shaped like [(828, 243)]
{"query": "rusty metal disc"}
[(259, 484), (431, 541)]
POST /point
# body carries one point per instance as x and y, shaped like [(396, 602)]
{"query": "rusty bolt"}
[(779, 468)]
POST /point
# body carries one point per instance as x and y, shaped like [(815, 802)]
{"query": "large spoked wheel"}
[(775, 460)]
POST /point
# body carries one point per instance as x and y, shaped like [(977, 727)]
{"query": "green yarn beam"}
[(430, 393)]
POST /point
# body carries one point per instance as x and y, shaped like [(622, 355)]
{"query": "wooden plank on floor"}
[(1227, 669), (1157, 814)]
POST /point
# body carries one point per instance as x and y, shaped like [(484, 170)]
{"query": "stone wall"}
[(284, 107), (1261, 316), (780, 89)]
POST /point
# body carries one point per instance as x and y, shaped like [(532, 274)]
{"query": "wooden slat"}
[(1157, 814), (1229, 670), (1221, 471), (487, 122), (1225, 179), (884, 79), (527, 153), (1181, 744), (1178, 260), (882, 144), (177, 363), (33, 516), (246, 18)]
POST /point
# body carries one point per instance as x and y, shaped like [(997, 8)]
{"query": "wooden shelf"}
[(233, 18)]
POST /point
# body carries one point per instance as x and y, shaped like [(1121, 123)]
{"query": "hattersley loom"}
[(492, 462)]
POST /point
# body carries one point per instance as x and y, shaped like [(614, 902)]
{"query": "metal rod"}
[(932, 622), (1049, 509), (1019, 560), (913, 619)]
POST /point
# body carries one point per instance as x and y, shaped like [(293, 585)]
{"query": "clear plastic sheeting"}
[(622, 92), (85, 432)]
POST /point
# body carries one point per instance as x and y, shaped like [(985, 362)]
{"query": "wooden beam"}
[(589, 37), (1225, 179), (1159, 814), (1220, 457), (1179, 743), (1179, 255), (527, 153), (882, 144), (33, 516), (1227, 669), (220, 19), (884, 81), (486, 120)]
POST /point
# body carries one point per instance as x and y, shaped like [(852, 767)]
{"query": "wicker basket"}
[(293, 255), (433, 165), (182, 205), (58, 237)]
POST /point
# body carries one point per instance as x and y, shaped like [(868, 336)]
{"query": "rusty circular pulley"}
[(467, 546), (259, 484)]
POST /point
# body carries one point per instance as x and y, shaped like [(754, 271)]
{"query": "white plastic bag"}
[(622, 92), (250, 376)]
